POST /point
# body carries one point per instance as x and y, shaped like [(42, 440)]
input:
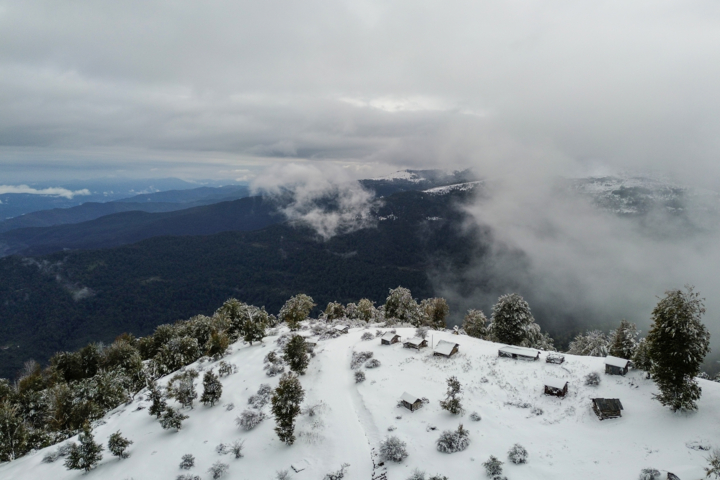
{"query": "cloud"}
[(326, 199), (52, 191)]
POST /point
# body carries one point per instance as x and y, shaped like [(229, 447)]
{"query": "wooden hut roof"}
[(444, 347), (523, 351), (608, 404), (616, 361), (414, 341), (389, 336), (558, 383), (406, 397)]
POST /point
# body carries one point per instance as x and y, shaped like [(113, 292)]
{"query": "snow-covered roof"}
[(389, 336), (558, 383), (616, 361), (414, 341), (406, 397), (444, 347), (525, 352), (314, 339), (341, 328)]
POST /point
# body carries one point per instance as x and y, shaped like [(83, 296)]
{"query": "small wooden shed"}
[(341, 328), (389, 338), (616, 365), (416, 342), (607, 408), (555, 358), (445, 348), (556, 387), (411, 402), (519, 353)]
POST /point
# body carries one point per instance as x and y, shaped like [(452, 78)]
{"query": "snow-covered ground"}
[(458, 187), (565, 441)]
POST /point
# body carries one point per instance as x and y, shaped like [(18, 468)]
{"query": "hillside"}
[(563, 437)]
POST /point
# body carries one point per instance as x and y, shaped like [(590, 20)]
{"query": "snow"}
[(389, 336), (458, 187), (402, 175), (340, 328), (444, 347), (414, 341), (553, 382), (525, 352), (406, 397), (566, 441), (616, 361)]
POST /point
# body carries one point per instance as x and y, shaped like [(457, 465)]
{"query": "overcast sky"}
[(222, 89)]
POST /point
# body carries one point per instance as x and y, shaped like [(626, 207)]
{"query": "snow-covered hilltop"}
[(563, 437)]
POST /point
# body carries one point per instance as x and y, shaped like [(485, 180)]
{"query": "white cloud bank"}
[(50, 192)]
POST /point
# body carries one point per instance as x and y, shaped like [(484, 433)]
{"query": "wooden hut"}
[(416, 342), (341, 328), (556, 387), (555, 358), (607, 408), (519, 353), (445, 348), (389, 338), (411, 402), (616, 366)]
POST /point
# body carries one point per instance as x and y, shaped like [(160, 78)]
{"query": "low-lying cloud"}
[(50, 192)]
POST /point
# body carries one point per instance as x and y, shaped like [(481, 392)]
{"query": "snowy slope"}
[(566, 441), (458, 187)]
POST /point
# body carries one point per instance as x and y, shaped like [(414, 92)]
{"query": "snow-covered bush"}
[(282, 475), (437, 476), (417, 474), (187, 462), (338, 474), (359, 376), (493, 467), (372, 363), (592, 379), (237, 447), (62, 451), (649, 474), (367, 336), (117, 444), (224, 369), (475, 417), (262, 398), (187, 476), (393, 449), (274, 369), (358, 358), (713, 467), (517, 454), (172, 418), (249, 419), (218, 470), (451, 442), (222, 449), (315, 409)]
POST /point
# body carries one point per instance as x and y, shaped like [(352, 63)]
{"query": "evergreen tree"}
[(510, 318), (87, 455), (182, 388), (334, 311), (295, 354), (435, 312), (593, 343), (117, 444), (212, 389), (156, 396), (255, 320), (296, 310), (172, 418), (13, 432), (641, 358), (365, 309), (475, 323), (401, 306), (452, 397), (624, 340), (217, 344), (286, 406), (677, 344)]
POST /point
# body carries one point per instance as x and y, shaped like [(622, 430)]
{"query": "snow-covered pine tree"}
[(434, 312), (593, 343), (623, 341), (286, 406), (677, 344), (157, 397), (117, 444), (641, 358), (184, 391), (86, 455), (534, 338), (475, 324), (295, 310), (212, 389), (295, 355), (510, 317), (401, 306), (452, 396), (254, 322), (172, 418)]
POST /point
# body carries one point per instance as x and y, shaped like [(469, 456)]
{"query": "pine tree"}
[(510, 318), (87, 455), (593, 343), (117, 444), (677, 344), (401, 306), (475, 323), (185, 392), (286, 406), (296, 310), (255, 320), (641, 358), (156, 396), (452, 397), (624, 340), (212, 389), (295, 355)]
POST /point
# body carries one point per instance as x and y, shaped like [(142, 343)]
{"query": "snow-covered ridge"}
[(407, 175), (458, 187), (563, 437)]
